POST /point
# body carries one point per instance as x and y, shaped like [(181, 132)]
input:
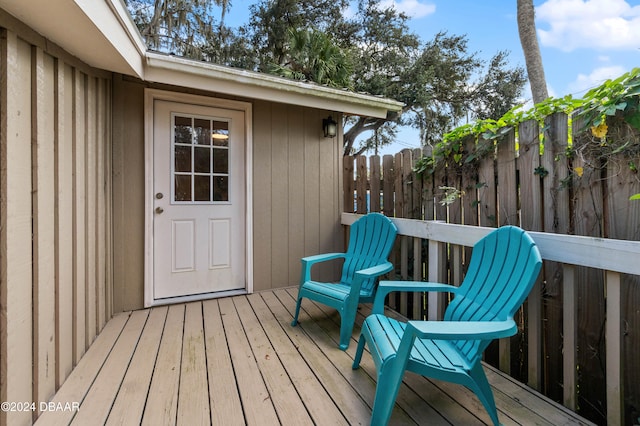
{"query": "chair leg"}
[(482, 388), (359, 351), (389, 381), (346, 328), (295, 317)]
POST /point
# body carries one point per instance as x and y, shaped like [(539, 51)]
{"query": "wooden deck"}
[(238, 361)]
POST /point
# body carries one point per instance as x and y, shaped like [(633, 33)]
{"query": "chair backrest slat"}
[(371, 239), (503, 268)]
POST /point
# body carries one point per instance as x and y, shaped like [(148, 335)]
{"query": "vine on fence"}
[(610, 111)]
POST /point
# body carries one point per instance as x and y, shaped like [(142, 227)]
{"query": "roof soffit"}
[(94, 31), (174, 70)]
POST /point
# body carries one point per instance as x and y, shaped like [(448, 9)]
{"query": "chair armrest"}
[(309, 261), (462, 330), (386, 287), (321, 257), (375, 271), (363, 274)]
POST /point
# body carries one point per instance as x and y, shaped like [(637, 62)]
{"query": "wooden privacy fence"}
[(535, 178)]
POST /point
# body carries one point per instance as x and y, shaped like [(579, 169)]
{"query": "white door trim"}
[(151, 95)]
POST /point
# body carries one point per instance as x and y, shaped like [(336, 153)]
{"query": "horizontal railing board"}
[(600, 253)]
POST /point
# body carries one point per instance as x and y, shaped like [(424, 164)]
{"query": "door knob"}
[(159, 210)]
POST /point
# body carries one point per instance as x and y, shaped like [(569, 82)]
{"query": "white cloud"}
[(584, 82), (600, 24), (412, 8)]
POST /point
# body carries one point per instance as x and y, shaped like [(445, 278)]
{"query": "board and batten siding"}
[(296, 185), (297, 193), (55, 214), (128, 194)]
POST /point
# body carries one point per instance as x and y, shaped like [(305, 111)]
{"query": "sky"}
[(582, 42)]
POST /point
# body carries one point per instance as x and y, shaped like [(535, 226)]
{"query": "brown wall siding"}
[(128, 195), (55, 214), (296, 192)]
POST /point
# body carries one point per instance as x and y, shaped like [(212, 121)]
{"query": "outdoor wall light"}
[(329, 127)]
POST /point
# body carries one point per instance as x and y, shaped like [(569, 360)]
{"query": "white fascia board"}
[(112, 19), (231, 81), (98, 32)]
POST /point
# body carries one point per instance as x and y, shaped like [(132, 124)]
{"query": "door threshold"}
[(196, 297)]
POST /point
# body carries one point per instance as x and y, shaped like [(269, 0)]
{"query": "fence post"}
[(388, 176), (508, 214), (487, 191), (590, 287), (361, 184), (348, 182), (531, 220), (374, 183), (556, 213)]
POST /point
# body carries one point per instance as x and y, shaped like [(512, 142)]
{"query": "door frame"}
[(150, 96)]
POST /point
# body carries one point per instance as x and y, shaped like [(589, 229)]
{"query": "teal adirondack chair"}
[(503, 268), (371, 239)]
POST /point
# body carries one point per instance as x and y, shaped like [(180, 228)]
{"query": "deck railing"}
[(614, 257)]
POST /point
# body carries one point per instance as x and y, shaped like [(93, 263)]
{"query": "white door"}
[(198, 200)]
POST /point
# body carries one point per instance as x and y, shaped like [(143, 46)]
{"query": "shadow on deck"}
[(238, 361)]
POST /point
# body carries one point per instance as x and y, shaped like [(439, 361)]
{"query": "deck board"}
[(132, 396), (162, 399), (407, 403), (361, 386), (287, 402), (193, 395), (312, 394), (256, 401), (319, 350), (226, 407), (82, 377), (97, 404), (238, 361)]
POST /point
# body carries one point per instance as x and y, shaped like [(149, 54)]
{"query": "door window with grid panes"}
[(200, 160)]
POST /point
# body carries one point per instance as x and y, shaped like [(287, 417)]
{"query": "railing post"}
[(404, 272), (434, 298), (569, 340), (613, 342), (504, 355), (534, 336), (417, 276)]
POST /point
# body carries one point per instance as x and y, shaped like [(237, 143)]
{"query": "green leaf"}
[(635, 90), (633, 120), (611, 110), (635, 197)]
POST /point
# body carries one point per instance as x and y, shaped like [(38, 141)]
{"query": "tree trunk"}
[(532, 57)]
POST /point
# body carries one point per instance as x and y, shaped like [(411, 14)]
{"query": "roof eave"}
[(175, 70), (99, 33)]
